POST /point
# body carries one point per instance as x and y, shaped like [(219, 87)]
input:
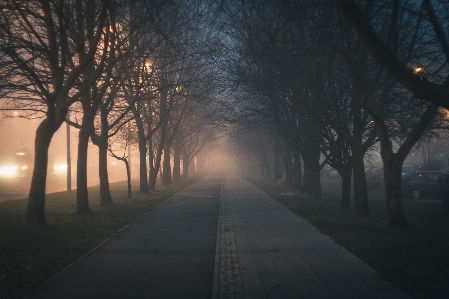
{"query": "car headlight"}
[(8, 171)]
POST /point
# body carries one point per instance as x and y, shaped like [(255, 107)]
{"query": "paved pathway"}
[(219, 241), (266, 251), (168, 253)]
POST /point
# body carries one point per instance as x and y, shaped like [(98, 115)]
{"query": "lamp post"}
[(69, 162)]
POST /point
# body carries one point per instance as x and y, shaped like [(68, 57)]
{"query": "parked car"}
[(421, 184), (444, 183), (407, 168)]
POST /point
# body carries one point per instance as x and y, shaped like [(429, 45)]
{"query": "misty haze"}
[(224, 149)]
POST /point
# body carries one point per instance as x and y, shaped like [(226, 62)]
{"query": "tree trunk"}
[(392, 163), (297, 171), (155, 162), (105, 194), (312, 169), (155, 168), (128, 176), (346, 176), (288, 165), (101, 141), (151, 171), (35, 215), (153, 180), (142, 141), (143, 179), (185, 167), (360, 188), (312, 179), (166, 166), (358, 165), (305, 179), (393, 193), (82, 197), (176, 162)]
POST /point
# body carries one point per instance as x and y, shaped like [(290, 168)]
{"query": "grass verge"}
[(30, 256), (415, 260)]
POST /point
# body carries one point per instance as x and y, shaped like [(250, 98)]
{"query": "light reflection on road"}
[(18, 188)]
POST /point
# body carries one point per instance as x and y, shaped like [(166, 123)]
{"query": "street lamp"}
[(417, 70), (69, 162)]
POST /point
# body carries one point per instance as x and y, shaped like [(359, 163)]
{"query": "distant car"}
[(406, 169), (421, 184)]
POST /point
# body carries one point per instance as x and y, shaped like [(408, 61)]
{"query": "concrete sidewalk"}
[(167, 253), (219, 239), (266, 251)]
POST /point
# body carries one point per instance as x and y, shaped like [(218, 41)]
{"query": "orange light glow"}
[(417, 70)]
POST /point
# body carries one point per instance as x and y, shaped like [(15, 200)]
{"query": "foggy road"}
[(18, 188)]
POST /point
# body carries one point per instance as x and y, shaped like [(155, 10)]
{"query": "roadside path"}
[(167, 253), (220, 238), (266, 251)]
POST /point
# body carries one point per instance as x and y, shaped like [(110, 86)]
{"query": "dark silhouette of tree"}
[(429, 18), (401, 37), (122, 141), (51, 45)]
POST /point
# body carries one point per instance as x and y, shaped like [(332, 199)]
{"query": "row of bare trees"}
[(129, 72), (330, 80), (326, 79)]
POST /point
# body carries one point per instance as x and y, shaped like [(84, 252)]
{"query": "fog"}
[(17, 137), (219, 158)]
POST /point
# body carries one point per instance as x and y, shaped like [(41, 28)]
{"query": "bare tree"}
[(113, 109), (121, 142), (51, 45), (429, 16), (400, 120)]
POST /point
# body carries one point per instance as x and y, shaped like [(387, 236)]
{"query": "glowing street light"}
[(148, 67), (417, 70)]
